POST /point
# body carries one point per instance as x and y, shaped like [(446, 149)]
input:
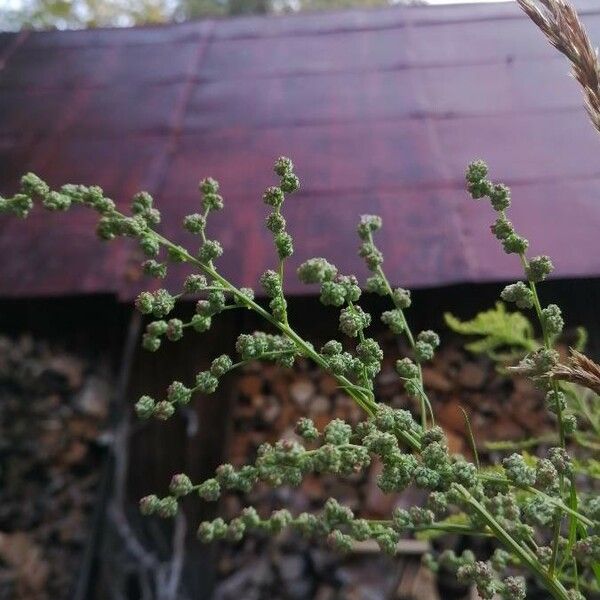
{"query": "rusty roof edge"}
[(298, 24)]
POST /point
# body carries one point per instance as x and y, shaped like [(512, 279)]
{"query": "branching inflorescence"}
[(530, 505)]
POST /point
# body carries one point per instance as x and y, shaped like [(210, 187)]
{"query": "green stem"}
[(559, 414), (527, 557), (423, 398), (363, 400)]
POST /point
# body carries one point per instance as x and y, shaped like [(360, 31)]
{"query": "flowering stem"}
[(553, 585), (561, 427), (363, 400), (423, 398)]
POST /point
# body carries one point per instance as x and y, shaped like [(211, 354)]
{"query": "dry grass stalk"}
[(559, 22), (580, 370)]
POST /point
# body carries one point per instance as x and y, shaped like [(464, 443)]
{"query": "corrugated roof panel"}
[(380, 110)]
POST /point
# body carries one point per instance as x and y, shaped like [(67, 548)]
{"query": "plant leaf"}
[(498, 330)]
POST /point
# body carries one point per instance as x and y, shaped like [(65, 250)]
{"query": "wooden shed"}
[(380, 111)]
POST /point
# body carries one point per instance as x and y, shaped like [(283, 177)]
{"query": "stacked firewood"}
[(53, 409), (269, 401)]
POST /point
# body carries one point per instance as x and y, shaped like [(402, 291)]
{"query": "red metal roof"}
[(380, 111)]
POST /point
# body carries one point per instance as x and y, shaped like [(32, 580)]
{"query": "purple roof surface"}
[(380, 111)]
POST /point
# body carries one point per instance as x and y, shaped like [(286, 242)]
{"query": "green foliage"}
[(527, 503), (503, 335)]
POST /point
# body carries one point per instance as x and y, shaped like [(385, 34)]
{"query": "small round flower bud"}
[(209, 490), (278, 308), (561, 460), (500, 197), (479, 189), (150, 343), (206, 382), (32, 185), (429, 337), (283, 166), (144, 407), (373, 257), (180, 485), (423, 351), (155, 269), (177, 393), (306, 429), (167, 507), (250, 517), (21, 204), (502, 228), (235, 530), (164, 410), (332, 294), (210, 250), (353, 319), (150, 245), (539, 268), (275, 222), (394, 319), (406, 368), (316, 270), (271, 283), (212, 202), (289, 183), (376, 285), (517, 471), (209, 186), (274, 197), (195, 223), (284, 244), (221, 365), (145, 303), (553, 321), (56, 201), (174, 330), (142, 202), (518, 293), (546, 477), (401, 298), (194, 283), (163, 303), (514, 244), (216, 301), (149, 504), (201, 323), (476, 171), (337, 432), (157, 328), (205, 532), (340, 541), (367, 225), (514, 588), (331, 348)]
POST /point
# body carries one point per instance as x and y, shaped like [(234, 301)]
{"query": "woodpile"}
[(268, 402), (53, 408)]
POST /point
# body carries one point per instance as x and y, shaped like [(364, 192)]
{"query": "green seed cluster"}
[(524, 503), (316, 270), (264, 346), (479, 186), (518, 293), (274, 197)]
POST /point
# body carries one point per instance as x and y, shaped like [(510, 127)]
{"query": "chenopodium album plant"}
[(545, 523)]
